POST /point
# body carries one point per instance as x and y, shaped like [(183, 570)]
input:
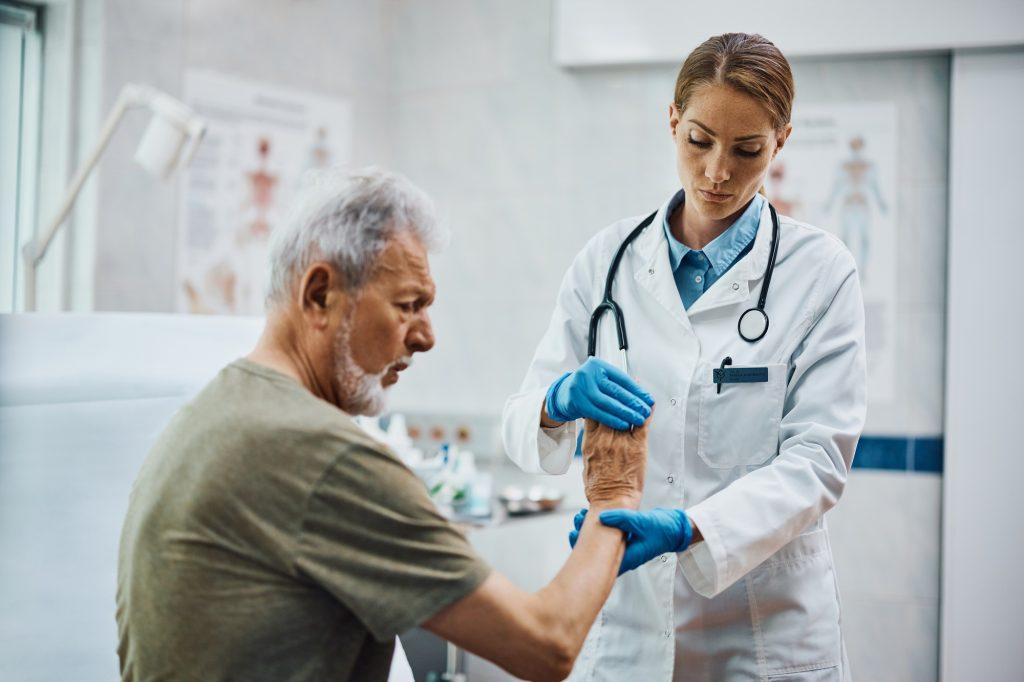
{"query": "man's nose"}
[(717, 170), (421, 336)]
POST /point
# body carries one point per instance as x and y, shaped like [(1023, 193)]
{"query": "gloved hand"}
[(599, 391), (648, 533)]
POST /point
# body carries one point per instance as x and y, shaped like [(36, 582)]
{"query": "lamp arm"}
[(34, 251)]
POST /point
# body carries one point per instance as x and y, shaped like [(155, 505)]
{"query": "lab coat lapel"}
[(654, 275), (735, 286)]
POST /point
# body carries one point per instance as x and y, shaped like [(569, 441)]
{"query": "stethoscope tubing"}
[(608, 302)]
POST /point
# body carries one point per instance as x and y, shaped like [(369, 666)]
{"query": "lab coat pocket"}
[(794, 610), (739, 425)]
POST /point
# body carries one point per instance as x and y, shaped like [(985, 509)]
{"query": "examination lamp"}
[(167, 145)]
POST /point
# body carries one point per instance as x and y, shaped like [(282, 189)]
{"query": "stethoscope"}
[(752, 325)]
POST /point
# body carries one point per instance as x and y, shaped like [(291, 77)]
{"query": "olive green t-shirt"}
[(269, 538)]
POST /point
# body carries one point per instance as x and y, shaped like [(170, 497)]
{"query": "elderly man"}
[(268, 537)]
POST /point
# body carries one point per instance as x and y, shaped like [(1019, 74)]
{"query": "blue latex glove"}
[(648, 533), (599, 391)]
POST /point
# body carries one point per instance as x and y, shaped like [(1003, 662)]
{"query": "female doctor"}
[(747, 330)]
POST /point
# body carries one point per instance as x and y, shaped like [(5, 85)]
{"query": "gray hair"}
[(346, 217)]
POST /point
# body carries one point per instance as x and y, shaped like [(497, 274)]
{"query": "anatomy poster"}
[(260, 139), (838, 171)]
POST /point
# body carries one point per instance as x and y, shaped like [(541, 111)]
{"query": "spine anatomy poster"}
[(260, 140)]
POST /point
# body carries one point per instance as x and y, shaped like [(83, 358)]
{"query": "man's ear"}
[(319, 289)]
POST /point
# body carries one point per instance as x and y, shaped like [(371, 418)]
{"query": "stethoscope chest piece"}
[(753, 325)]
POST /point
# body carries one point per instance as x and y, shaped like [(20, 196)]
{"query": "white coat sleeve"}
[(823, 415), (562, 349)]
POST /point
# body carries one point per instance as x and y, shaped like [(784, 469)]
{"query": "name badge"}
[(740, 375)]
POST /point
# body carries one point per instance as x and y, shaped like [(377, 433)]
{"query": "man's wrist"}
[(615, 502)]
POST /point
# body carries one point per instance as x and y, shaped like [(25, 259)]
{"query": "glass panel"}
[(20, 54)]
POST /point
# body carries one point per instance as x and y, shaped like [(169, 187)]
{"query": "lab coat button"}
[(667, 633), (672, 401), (664, 558), (671, 478), (651, 271), (735, 286)]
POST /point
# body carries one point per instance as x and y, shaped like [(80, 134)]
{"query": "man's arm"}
[(538, 636)]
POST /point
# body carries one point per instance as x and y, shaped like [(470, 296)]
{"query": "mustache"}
[(404, 362)]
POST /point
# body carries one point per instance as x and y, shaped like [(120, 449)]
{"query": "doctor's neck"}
[(695, 229)]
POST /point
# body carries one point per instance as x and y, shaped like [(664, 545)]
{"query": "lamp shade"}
[(161, 145)]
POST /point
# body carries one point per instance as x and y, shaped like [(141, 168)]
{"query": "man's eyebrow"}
[(711, 132), (418, 290)]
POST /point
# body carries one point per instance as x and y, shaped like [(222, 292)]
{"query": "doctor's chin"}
[(475, 341)]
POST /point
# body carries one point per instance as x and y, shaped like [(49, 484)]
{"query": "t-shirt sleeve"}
[(373, 539)]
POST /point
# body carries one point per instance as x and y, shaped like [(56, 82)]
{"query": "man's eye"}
[(407, 307)]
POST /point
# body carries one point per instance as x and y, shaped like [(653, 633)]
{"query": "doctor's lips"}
[(713, 196)]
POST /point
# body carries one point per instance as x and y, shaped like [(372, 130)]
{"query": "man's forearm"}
[(539, 635), (573, 599)]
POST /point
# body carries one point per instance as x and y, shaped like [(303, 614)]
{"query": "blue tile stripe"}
[(892, 453), (900, 453)]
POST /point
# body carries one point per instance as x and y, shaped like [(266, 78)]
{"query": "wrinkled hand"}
[(600, 391), (614, 464), (648, 533)]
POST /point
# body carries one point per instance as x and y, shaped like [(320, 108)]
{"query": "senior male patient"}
[(269, 538)]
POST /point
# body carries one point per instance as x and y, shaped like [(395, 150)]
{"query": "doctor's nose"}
[(717, 171)]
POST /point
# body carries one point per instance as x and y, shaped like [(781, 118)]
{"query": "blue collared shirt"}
[(696, 271)]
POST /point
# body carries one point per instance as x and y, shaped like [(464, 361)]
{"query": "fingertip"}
[(618, 424)]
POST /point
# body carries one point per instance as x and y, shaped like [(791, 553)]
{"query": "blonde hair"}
[(750, 63)]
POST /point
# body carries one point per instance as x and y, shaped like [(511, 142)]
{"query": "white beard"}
[(361, 393)]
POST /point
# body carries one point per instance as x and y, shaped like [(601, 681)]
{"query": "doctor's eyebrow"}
[(711, 132)]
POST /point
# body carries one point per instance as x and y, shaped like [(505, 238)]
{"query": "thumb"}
[(623, 519)]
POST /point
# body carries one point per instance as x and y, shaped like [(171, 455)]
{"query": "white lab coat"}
[(755, 467)]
